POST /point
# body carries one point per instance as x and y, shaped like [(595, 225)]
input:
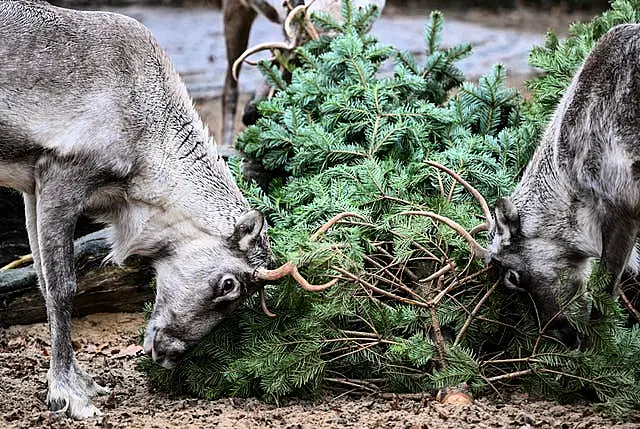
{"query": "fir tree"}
[(351, 139)]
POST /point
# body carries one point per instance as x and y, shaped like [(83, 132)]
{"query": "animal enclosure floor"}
[(105, 347)]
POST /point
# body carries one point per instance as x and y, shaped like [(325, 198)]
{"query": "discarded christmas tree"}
[(413, 311)]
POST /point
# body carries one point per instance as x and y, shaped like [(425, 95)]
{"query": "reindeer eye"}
[(228, 286), (512, 280)]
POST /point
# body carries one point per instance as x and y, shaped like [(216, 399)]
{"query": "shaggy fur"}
[(579, 198), (94, 119)]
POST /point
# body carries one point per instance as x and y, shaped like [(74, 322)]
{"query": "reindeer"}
[(579, 197), (238, 19), (94, 119)]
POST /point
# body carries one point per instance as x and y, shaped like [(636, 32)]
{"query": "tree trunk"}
[(101, 287)]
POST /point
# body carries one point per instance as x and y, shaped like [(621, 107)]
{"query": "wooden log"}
[(101, 287), (13, 235)]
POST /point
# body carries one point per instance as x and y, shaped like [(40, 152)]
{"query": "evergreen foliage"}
[(350, 139)]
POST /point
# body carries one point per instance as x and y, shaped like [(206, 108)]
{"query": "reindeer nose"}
[(564, 332)]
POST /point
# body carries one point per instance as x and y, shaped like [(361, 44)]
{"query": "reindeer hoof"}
[(88, 385), (70, 393), (65, 399)]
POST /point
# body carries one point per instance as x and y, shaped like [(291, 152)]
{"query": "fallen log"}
[(101, 287), (13, 235)]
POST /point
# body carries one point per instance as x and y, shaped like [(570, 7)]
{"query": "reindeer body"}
[(579, 198), (94, 119)]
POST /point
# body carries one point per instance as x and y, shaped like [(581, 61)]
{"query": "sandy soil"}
[(105, 346)]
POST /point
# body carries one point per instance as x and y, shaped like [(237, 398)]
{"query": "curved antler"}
[(263, 304), (308, 26), (324, 228), (290, 269), (313, 33), (259, 48), (291, 15), (476, 249), (477, 195)]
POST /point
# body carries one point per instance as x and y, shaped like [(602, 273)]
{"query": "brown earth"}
[(104, 343)]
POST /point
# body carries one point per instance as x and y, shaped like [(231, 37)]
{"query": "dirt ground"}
[(106, 346)]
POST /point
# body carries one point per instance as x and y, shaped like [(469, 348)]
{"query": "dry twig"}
[(473, 314), (23, 260), (629, 305)]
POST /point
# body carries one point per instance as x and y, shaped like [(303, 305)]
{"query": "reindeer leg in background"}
[(238, 18), (251, 115), (32, 232)]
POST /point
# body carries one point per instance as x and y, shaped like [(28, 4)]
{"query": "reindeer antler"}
[(283, 271), (259, 48), (476, 249), (309, 28), (290, 269), (477, 195)]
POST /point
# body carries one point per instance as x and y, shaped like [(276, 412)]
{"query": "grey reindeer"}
[(579, 197), (94, 119)]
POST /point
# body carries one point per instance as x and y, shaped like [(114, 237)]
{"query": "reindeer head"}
[(203, 280), (544, 267)]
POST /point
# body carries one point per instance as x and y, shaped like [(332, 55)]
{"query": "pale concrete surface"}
[(194, 39)]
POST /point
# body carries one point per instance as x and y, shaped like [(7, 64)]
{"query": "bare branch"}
[(450, 266), (437, 334), (510, 375), (628, 304), (473, 313), (375, 289)]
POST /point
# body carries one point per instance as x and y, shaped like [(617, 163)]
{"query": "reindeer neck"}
[(183, 190), (553, 207)]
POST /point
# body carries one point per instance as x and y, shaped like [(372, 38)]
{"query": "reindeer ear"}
[(247, 230), (507, 219)]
